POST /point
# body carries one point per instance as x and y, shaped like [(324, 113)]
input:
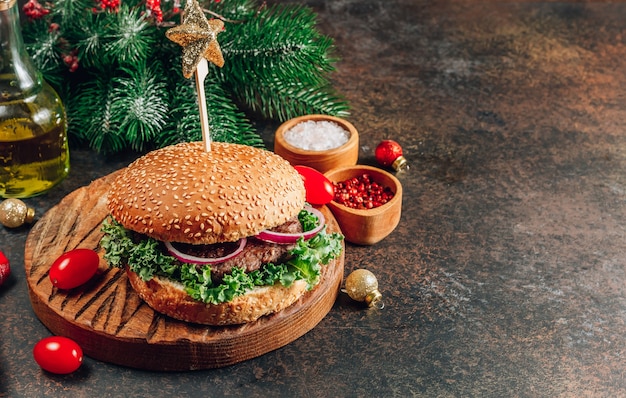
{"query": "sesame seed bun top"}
[(182, 193)]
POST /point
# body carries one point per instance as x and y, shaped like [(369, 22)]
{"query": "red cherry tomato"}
[(319, 189), (57, 354), (74, 268)]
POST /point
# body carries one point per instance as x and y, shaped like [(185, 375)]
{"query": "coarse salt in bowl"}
[(314, 135), (322, 142)]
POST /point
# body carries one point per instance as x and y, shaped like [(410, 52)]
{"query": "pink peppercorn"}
[(362, 192)]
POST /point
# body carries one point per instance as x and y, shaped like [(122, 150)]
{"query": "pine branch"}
[(89, 37), (132, 37), (184, 122), (280, 69), (239, 11), (43, 47), (90, 117), (66, 11), (140, 102), (285, 100), (121, 82), (226, 122), (279, 43)]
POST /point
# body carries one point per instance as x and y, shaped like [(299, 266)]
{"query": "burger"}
[(217, 237)]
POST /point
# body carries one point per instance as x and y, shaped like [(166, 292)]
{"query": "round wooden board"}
[(112, 324)]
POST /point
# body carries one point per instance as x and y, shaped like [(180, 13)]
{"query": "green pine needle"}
[(67, 11), (226, 122), (281, 69), (141, 102), (132, 37), (90, 117), (90, 38), (43, 47)]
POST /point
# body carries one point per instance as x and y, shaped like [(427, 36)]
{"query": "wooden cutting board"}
[(112, 324)]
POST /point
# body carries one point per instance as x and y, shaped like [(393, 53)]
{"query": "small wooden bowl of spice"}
[(322, 142), (367, 203)]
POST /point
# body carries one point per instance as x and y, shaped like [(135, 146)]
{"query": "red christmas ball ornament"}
[(5, 268), (389, 154)]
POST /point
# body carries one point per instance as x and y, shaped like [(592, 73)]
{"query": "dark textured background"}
[(506, 275)]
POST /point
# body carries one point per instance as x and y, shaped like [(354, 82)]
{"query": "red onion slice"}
[(187, 258), (287, 238)]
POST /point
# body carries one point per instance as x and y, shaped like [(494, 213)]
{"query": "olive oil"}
[(31, 159), (34, 153)]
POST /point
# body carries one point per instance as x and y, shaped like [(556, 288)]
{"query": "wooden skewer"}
[(202, 71)]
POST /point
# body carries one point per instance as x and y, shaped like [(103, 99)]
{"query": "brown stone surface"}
[(507, 273)]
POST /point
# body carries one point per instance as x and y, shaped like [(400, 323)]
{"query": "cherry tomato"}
[(319, 189), (57, 354), (74, 268)]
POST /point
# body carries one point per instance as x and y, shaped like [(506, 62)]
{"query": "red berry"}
[(34, 10)]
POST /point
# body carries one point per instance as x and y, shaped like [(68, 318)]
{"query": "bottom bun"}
[(169, 297)]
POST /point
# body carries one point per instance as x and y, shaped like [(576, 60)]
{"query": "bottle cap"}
[(6, 4)]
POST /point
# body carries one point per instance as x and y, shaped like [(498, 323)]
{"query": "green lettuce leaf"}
[(147, 258), (307, 220)]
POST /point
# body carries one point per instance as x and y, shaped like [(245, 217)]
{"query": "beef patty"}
[(253, 256)]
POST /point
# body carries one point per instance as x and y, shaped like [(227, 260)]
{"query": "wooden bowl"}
[(367, 227), (345, 155)]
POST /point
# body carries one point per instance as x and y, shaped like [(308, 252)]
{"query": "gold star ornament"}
[(198, 37)]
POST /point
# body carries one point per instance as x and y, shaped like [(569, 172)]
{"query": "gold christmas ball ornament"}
[(362, 285), (14, 213)]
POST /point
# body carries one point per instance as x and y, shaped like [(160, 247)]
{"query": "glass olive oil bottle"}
[(34, 153)]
